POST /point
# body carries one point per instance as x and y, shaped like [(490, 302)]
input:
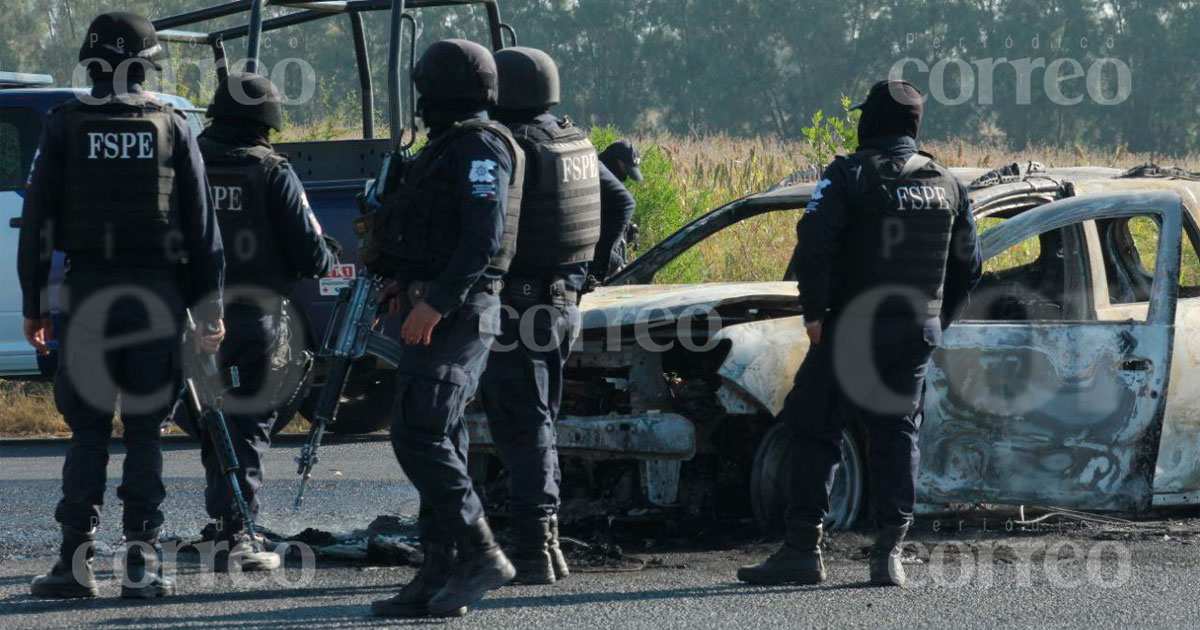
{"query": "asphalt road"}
[(1072, 577)]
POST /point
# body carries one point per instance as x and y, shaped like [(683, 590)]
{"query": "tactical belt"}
[(487, 285), (273, 304), (528, 292), (415, 290)]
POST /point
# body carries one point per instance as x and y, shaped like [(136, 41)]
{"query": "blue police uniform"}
[(522, 387), (435, 382), (616, 207), (819, 406), (115, 291), (269, 208)]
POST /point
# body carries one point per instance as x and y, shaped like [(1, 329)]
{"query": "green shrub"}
[(826, 137), (660, 202)]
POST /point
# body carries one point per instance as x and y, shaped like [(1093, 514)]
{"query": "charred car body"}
[(1063, 384)]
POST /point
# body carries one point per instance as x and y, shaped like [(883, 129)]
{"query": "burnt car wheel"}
[(770, 474)]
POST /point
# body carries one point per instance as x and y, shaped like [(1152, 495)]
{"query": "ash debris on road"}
[(607, 545), (388, 541)]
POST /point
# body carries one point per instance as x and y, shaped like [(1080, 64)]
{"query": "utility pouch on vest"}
[(382, 234), (295, 367), (558, 294), (377, 206)]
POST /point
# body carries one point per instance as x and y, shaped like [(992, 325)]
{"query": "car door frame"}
[(1035, 456), (17, 357)]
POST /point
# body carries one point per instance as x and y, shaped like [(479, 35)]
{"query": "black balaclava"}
[(239, 132), (892, 108), (135, 74), (512, 117), (439, 115)]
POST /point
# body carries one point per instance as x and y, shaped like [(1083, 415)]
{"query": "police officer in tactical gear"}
[(619, 162), (448, 234), (273, 239), (521, 389), (886, 252), (118, 185), (623, 159)]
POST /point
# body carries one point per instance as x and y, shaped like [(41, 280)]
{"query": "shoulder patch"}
[(482, 171), (818, 192), (481, 175)]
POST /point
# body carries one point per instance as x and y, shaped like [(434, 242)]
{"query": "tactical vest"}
[(238, 184), (418, 227), (118, 177), (560, 213), (900, 231)]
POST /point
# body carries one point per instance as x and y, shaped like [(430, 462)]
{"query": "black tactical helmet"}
[(120, 36), (528, 79), (249, 96), (454, 70)]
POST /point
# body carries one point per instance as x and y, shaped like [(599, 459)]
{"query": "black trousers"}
[(250, 337), (433, 385), (521, 392), (120, 335), (881, 389)]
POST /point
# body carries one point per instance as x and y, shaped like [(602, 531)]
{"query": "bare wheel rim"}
[(769, 478)]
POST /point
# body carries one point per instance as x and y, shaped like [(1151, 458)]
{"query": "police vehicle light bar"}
[(24, 80)]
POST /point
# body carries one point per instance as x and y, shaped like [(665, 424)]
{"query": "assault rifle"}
[(202, 381), (348, 337), (351, 333)]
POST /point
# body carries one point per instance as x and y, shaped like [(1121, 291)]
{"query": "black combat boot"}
[(531, 558), (797, 562), (68, 579), (885, 554), (557, 559), (413, 598), (481, 567), (143, 578), (236, 550)]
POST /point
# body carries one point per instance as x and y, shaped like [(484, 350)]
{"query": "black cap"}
[(120, 36), (892, 107), (456, 70), (248, 96), (623, 160)]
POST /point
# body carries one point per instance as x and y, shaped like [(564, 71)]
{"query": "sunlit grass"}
[(687, 177)]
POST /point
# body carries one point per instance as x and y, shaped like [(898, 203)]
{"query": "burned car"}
[(1064, 383)]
